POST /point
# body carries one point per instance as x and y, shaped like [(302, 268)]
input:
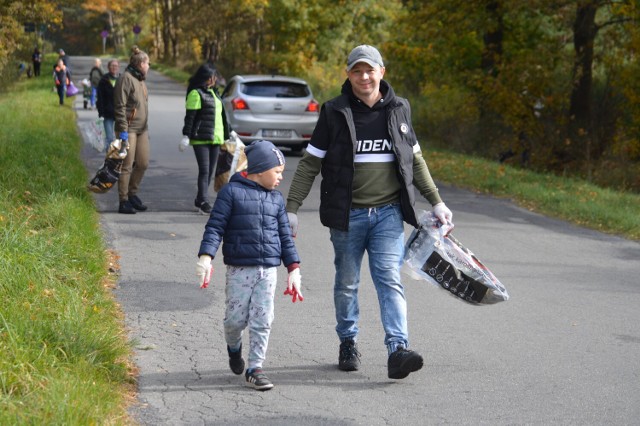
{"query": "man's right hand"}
[(204, 270), (293, 222), (124, 136)]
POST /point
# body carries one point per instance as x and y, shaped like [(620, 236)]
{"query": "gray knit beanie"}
[(263, 155)]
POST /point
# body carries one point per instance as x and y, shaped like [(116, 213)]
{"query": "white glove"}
[(184, 143), (204, 270), (443, 213), (294, 282), (293, 222)]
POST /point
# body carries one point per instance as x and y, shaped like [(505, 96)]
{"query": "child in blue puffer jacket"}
[(249, 218)]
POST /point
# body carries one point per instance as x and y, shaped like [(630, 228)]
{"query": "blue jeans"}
[(62, 92), (109, 132), (379, 231), (94, 93)]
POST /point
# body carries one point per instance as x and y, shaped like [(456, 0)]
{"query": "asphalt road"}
[(565, 349)]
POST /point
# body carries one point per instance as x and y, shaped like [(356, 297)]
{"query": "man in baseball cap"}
[(370, 160), (364, 53)]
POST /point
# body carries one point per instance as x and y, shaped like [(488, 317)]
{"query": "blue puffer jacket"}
[(253, 224)]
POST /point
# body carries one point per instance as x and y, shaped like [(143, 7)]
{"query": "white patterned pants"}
[(249, 302)]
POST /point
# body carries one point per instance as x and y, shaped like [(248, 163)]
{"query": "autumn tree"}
[(592, 18), (113, 12), (13, 17)]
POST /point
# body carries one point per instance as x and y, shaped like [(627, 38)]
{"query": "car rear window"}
[(276, 89)]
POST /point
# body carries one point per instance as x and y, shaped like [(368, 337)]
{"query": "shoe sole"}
[(348, 367), (406, 368), (260, 388)]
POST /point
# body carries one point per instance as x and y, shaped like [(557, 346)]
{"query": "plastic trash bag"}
[(108, 174), (72, 90), (434, 255), (232, 157), (94, 135)]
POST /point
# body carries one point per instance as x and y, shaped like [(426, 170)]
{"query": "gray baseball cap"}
[(364, 53)]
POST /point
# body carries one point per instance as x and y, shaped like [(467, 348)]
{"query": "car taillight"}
[(313, 106), (239, 103)]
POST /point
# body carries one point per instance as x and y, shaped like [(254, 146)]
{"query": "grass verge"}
[(64, 355), (177, 74), (573, 200)]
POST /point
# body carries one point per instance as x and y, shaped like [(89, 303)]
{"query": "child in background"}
[(249, 217)]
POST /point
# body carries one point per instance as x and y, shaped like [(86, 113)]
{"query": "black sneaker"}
[(349, 357), (126, 208), (205, 208), (236, 363), (258, 380), (202, 206), (402, 362), (136, 202)]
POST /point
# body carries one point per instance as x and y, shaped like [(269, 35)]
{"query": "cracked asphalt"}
[(563, 350)]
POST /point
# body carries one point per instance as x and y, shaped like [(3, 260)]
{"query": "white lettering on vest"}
[(376, 145)]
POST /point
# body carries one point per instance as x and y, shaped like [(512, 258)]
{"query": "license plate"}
[(276, 133)]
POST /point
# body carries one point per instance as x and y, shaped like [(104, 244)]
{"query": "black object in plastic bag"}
[(109, 173), (106, 176), (433, 254)]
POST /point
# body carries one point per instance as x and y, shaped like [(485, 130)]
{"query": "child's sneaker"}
[(258, 380), (236, 363)]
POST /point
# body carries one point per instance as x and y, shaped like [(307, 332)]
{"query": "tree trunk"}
[(493, 39), (584, 34), (166, 29), (491, 59), (156, 30), (585, 31), (175, 31)]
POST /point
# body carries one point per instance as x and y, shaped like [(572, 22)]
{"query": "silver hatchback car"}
[(273, 107)]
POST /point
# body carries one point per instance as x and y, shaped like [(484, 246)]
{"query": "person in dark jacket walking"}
[(131, 109), (249, 216), (370, 160), (62, 78), (36, 59), (94, 77), (205, 129), (104, 103)]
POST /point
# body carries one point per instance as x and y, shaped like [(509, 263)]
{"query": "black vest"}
[(337, 166), (199, 124)]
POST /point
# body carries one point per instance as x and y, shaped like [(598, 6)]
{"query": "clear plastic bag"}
[(433, 254), (93, 135), (231, 159)]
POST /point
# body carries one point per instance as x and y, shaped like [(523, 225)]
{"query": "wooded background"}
[(552, 85)]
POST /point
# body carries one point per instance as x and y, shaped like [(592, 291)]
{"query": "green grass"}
[(179, 75), (573, 200), (64, 355)]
